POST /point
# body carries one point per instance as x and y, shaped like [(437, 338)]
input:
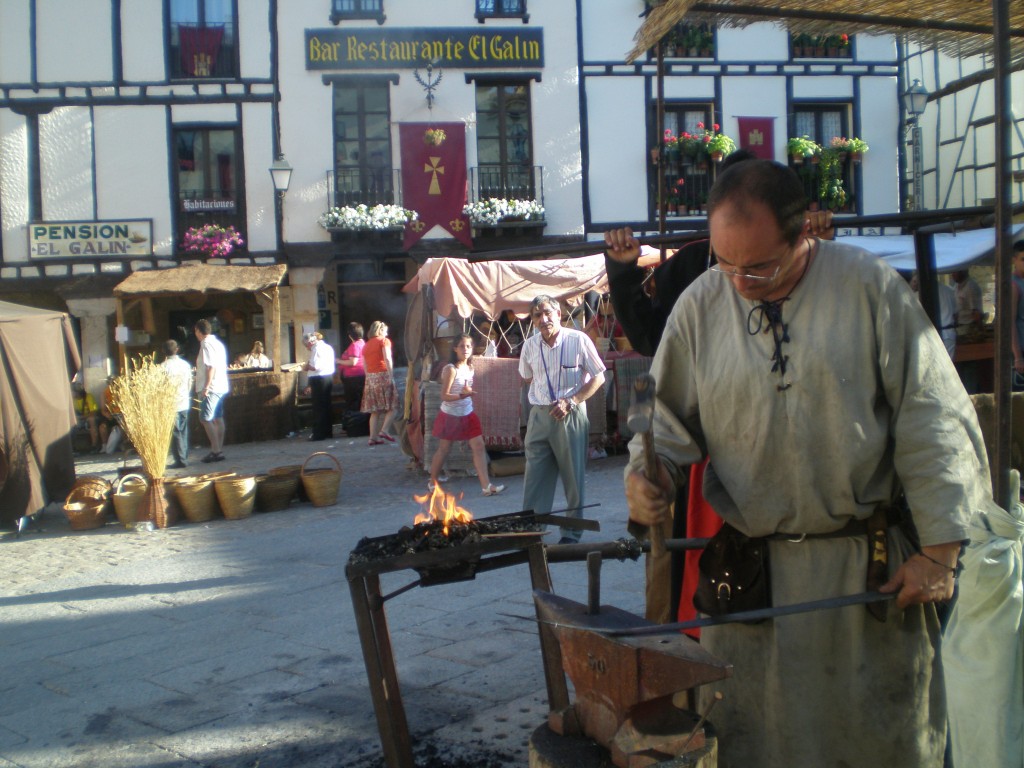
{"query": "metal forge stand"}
[(623, 683), (435, 567)]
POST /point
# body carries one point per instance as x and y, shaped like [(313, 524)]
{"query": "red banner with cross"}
[(757, 134), (434, 179)]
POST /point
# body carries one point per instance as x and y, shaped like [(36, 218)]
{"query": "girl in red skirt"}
[(456, 420)]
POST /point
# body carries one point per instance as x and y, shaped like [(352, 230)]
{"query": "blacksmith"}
[(562, 368), (809, 373)]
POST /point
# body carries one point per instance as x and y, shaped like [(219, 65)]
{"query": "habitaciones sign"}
[(409, 47), (69, 239)]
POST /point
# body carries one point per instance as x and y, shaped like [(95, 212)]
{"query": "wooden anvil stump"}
[(625, 685)]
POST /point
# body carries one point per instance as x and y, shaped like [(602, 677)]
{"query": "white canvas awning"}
[(952, 250)]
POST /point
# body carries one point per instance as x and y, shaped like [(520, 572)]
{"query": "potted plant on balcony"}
[(364, 218), (718, 145), (705, 41), (857, 148), (212, 240), (841, 145), (830, 186), (801, 148)]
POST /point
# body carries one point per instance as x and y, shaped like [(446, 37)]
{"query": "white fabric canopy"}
[(952, 250)]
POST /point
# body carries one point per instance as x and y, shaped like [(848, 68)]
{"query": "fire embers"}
[(442, 507), (442, 524)]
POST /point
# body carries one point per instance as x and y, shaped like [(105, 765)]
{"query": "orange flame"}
[(442, 507)]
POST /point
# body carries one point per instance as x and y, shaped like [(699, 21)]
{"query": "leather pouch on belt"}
[(878, 558)]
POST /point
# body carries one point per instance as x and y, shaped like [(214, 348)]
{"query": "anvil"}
[(624, 685)]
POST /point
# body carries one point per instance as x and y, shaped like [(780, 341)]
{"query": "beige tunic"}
[(868, 392)]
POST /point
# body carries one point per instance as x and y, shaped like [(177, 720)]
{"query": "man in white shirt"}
[(212, 387), (321, 377), (562, 368), (968, 302), (180, 373)]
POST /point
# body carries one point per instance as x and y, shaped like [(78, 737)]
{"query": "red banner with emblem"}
[(434, 179), (757, 134)]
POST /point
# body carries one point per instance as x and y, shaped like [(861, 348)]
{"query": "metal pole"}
[(1004, 191), (660, 121), (917, 155)]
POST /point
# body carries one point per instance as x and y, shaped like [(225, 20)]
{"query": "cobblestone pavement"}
[(232, 643)]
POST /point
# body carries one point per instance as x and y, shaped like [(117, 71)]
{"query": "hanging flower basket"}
[(434, 137), (212, 241)]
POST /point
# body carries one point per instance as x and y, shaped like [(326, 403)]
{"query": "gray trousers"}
[(556, 449)]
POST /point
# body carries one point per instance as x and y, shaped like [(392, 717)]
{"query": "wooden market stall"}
[(261, 403), (476, 296)]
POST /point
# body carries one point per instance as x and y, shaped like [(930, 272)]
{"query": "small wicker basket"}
[(236, 495), (128, 493), (322, 484), (291, 469)]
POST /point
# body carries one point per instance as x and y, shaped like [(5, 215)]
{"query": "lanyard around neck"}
[(558, 379)]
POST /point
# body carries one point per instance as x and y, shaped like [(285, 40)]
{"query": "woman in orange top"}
[(380, 396)]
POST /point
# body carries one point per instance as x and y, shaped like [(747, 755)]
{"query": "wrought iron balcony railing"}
[(370, 186), (511, 182)]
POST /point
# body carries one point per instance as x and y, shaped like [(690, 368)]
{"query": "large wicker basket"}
[(275, 492), (197, 498), (236, 495), (321, 484), (128, 493)]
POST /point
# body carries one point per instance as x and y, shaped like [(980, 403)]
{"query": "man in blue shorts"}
[(212, 387)]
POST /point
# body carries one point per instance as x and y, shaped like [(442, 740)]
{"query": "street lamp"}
[(281, 174), (914, 101)]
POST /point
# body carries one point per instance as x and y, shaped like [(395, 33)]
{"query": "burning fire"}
[(441, 507)]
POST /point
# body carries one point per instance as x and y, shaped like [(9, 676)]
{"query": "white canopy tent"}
[(953, 251)]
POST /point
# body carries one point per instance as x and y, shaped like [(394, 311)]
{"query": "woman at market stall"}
[(380, 396), (350, 367)]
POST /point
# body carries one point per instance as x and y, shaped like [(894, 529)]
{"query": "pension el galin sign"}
[(72, 239), (405, 47)]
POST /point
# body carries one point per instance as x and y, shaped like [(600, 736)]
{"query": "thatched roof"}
[(958, 27), (200, 277)]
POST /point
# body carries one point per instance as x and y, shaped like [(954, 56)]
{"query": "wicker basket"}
[(321, 484), (291, 469), (88, 503), (197, 498), (89, 487), (275, 492), (236, 495), (128, 493), (83, 515)]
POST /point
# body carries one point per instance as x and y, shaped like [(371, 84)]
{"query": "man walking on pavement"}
[(181, 375), (562, 368), (212, 387)]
